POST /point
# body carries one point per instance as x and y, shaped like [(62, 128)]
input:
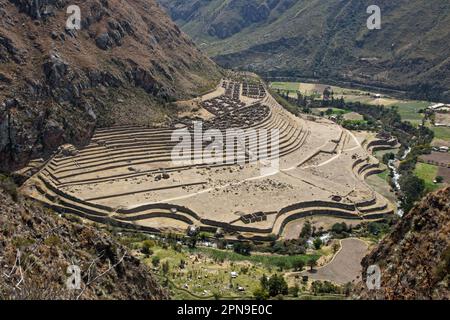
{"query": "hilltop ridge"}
[(327, 40), (125, 66)]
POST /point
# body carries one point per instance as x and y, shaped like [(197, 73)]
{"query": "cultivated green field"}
[(442, 133), (428, 173), (408, 109)]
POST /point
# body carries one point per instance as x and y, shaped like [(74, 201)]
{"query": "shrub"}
[(146, 247), (260, 294), (155, 261), (8, 185), (294, 290)]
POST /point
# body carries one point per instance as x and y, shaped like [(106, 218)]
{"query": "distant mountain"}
[(324, 40), (56, 84), (415, 258)]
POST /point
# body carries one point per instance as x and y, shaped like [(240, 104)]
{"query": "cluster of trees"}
[(271, 287), (287, 247), (243, 248), (375, 228), (326, 287), (341, 230)]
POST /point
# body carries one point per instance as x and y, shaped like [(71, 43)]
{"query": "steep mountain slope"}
[(327, 40), (56, 85), (415, 258), (37, 246)]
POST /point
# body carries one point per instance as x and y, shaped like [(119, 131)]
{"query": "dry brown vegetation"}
[(37, 246)]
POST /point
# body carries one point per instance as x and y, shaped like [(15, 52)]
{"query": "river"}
[(396, 178)]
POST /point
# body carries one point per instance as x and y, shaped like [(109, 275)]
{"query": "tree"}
[(306, 230), (326, 96), (264, 282), (277, 285), (413, 189), (217, 295), (192, 242), (298, 265), (281, 265), (312, 263), (339, 228), (317, 243)]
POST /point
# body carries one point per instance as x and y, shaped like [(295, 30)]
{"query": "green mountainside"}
[(327, 40)]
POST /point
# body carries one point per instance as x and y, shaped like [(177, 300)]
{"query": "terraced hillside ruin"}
[(126, 176)]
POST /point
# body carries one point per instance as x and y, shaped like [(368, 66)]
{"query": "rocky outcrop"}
[(37, 246), (57, 85), (415, 258)]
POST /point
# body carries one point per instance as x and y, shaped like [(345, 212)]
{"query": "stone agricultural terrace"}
[(125, 176)]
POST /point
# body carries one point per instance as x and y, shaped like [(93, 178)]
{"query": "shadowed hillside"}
[(327, 40), (124, 66)]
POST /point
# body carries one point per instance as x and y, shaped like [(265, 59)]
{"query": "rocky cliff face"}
[(37, 246), (123, 66), (415, 258)]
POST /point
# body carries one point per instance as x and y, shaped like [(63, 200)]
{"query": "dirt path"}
[(346, 264)]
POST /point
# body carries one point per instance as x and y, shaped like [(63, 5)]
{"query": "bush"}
[(260, 294), (8, 185), (155, 261), (294, 290), (165, 267), (319, 287), (298, 265), (146, 247)]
